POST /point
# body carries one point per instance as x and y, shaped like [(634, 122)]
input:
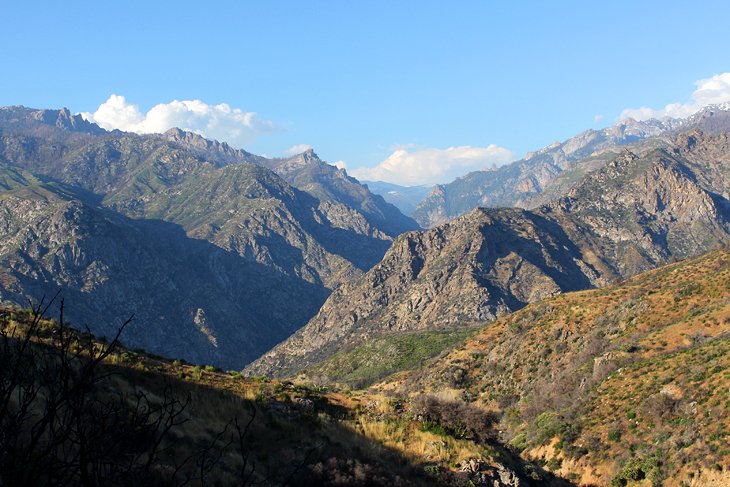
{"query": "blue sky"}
[(365, 82)]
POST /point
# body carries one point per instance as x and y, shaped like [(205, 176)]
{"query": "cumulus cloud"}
[(708, 91), (297, 149), (221, 122), (413, 167), (340, 164)]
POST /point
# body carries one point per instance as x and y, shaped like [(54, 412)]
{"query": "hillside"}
[(307, 172), (475, 269), (101, 414), (625, 385), (625, 382), (191, 298), (633, 214)]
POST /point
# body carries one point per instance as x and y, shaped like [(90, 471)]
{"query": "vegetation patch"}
[(385, 355)]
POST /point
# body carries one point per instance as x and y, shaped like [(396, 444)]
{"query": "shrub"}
[(458, 419), (614, 435), (661, 407), (547, 426), (519, 442), (638, 469)]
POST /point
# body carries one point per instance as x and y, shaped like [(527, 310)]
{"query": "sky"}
[(412, 92)]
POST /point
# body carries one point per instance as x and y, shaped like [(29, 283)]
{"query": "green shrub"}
[(519, 442), (547, 426), (639, 469), (614, 435), (554, 463)]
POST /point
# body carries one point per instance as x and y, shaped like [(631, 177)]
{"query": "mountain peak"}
[(310, 156), (192, 139), (20, 116), (438, 190)]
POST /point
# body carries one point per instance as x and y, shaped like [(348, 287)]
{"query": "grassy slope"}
[(634, 371), (375, 360)]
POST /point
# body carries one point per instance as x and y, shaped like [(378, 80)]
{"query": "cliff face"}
[(638, 212), (635, 213)]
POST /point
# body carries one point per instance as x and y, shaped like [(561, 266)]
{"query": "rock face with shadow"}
[(635, 213), (218, 257)]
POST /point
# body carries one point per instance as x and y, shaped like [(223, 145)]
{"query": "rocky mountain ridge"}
[(547, 173)]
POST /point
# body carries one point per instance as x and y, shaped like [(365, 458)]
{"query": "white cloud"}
[(432, 166), (340, 164), (221, 122), (709, 91), (597, 118), (297, 149)]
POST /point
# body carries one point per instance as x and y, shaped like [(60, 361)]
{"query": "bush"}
[(547, 426), (661, 407), (519, 442), (638, 469), (614, 435), (458, 419)]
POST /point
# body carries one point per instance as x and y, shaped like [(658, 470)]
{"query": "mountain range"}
[(406, 198), (547, 173), (631, 215), (218, 256), (561, 320)]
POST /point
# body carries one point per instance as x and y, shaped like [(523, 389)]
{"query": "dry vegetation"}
[(627, 383), (166, 422)]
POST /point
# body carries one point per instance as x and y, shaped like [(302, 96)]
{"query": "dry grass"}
[(597, 359)]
